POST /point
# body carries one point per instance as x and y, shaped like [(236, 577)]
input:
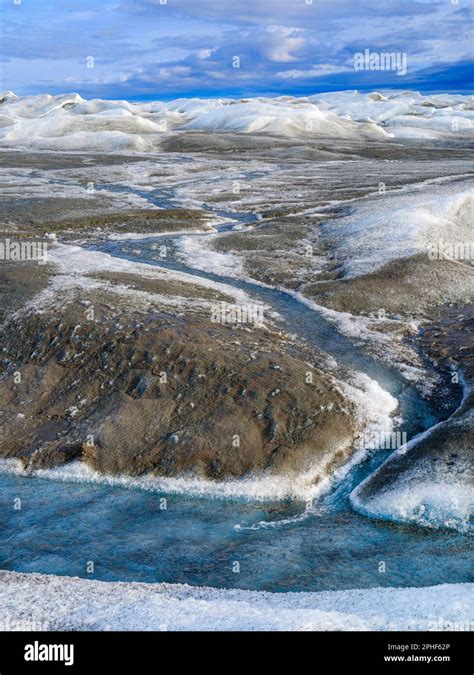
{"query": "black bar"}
[(450, 652)]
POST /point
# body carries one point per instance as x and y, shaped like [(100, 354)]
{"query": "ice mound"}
[(190, 108), (405, 114), (392, 226), (287, 118), (70, 123), (430, 504), (428, 482)]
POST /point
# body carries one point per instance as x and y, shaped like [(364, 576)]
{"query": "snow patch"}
[(69, 603)]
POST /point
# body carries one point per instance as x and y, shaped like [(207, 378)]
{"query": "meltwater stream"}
[(129, 535)]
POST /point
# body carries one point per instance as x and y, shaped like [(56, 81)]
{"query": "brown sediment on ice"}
[(274, 252), (23, 218), (411, 286), (311, 149), (449, 338), (89, 208), (163, 286), (156, 390), (236, 399), (19, 282)]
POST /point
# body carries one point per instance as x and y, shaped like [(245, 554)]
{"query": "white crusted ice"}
[(293, 118), (396, 225), (405, 114), (70, 123), (68, 603)]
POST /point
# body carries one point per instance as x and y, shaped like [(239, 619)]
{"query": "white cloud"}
[(279, 42), (315, 71)]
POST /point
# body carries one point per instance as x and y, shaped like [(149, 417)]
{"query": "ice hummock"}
[(398, 225), (404, 114), (69, 122), (293, 118)]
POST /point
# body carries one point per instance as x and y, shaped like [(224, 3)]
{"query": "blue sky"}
[(161, 49)]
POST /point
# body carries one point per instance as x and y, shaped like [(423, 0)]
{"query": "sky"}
[(163, 49)]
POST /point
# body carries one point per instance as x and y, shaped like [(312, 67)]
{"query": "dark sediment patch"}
[(408, 286), (448, 339), (165, 287), (48, 160), (317, 149), (135, 392), (276, 251), (235, 144), (20, 282), (69, 216)]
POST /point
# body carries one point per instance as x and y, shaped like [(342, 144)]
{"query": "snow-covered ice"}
[(70, 123), (404, 114), (68, 603), (396, 225)]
